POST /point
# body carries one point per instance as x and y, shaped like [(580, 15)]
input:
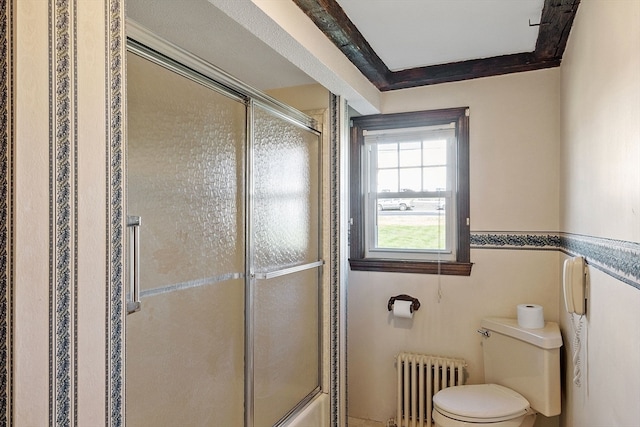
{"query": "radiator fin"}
[(420, 376)]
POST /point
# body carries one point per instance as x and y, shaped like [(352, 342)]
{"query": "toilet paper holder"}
[(415, 304)]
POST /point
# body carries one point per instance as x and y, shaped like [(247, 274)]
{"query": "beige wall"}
[(303, 98), (600, 121), (600, 191), (514, 146), (31, 292)]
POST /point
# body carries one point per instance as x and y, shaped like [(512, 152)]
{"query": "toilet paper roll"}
[(402, 309), (530, 316)]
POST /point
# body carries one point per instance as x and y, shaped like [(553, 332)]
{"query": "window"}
[(410, 192)]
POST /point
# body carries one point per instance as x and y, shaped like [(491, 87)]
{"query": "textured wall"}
[(600, 188)]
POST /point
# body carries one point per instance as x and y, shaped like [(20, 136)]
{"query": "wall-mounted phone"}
[(574, 285)]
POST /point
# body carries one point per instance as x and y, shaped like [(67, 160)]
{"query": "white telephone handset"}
[(574, 285), (574, 282)]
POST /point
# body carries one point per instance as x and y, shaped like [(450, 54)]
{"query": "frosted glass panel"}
[(185, 175), (286, 193), (185, 358), (286, 343), (185, 179), (285, 233)]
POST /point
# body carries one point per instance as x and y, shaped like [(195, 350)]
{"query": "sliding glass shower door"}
[(224, 225), (285, 252), (185, 169)]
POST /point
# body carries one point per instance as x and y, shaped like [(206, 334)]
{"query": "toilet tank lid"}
[(548, 337)]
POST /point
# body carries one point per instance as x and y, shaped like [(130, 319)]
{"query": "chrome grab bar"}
[(284, 271), (133, 303)]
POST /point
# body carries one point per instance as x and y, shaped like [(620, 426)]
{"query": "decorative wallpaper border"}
[(63, 170), (618, 258), (114, 163), (515, 240), (6, 208), (334, 183)]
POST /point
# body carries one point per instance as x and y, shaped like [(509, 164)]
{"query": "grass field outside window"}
[(420, 232)]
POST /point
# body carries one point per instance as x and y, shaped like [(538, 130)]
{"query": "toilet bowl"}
[(481, 405)]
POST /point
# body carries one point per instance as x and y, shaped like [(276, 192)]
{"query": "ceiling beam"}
[(336, 25), (555, 25), (467, 70)]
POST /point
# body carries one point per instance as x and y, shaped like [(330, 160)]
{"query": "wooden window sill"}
[(450, 268)]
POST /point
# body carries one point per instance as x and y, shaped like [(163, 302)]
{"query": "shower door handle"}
[(133, 299)]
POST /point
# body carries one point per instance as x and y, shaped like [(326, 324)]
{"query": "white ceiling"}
[(415, 33), (404, 34)]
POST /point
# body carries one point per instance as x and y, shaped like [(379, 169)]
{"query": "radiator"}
[(420, 376)]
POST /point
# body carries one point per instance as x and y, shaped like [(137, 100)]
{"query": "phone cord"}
[(577, 344)]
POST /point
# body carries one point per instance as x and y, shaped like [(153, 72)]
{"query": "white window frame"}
[(424, 133)]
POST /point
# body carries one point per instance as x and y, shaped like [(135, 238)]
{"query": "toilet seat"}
[(481, 403)]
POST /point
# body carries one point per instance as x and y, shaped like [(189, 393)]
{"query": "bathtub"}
[(314, 414)]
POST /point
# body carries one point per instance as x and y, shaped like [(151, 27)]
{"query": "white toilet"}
[(522, 375)]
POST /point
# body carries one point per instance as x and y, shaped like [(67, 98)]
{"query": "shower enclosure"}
[(225, 250)]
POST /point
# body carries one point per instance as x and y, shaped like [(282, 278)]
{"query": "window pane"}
[(434, 152), (410, 179), (387, 180), (387, 155), (435, 179), (384, 204), (421, 227), (410, 154)]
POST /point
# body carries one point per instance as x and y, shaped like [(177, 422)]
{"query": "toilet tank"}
[(525, 360)]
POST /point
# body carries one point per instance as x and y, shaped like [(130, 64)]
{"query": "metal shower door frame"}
[(149, 46)]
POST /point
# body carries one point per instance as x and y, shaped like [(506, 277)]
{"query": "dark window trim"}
[(357, 260)]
